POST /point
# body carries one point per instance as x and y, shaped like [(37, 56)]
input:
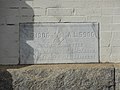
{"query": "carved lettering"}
[(67, 34)]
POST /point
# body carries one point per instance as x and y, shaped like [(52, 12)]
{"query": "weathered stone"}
[(117, 77), (59, 77)]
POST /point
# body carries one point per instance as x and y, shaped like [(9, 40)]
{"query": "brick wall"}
[(105, 12)]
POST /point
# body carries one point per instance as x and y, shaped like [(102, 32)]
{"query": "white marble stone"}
[(58, 43)]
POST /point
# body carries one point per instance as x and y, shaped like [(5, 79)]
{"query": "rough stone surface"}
[(58, 77), (117, 77)]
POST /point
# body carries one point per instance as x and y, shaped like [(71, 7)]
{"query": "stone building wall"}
[(105, 12)]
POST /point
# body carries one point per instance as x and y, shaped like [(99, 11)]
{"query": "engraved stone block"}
[(59, 43)]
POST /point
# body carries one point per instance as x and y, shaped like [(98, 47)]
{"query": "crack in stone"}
[(109, 45), (94, 29)]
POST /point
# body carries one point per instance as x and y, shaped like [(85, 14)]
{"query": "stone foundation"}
[(60, 77)]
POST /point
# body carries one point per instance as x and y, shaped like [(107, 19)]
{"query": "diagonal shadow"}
[(14, 12)]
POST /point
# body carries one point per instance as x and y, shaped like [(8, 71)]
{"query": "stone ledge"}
[(48, 66), (58, 77)]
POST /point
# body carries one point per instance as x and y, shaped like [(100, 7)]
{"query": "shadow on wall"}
[(26, 34), (5, 80), (12, 13)]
